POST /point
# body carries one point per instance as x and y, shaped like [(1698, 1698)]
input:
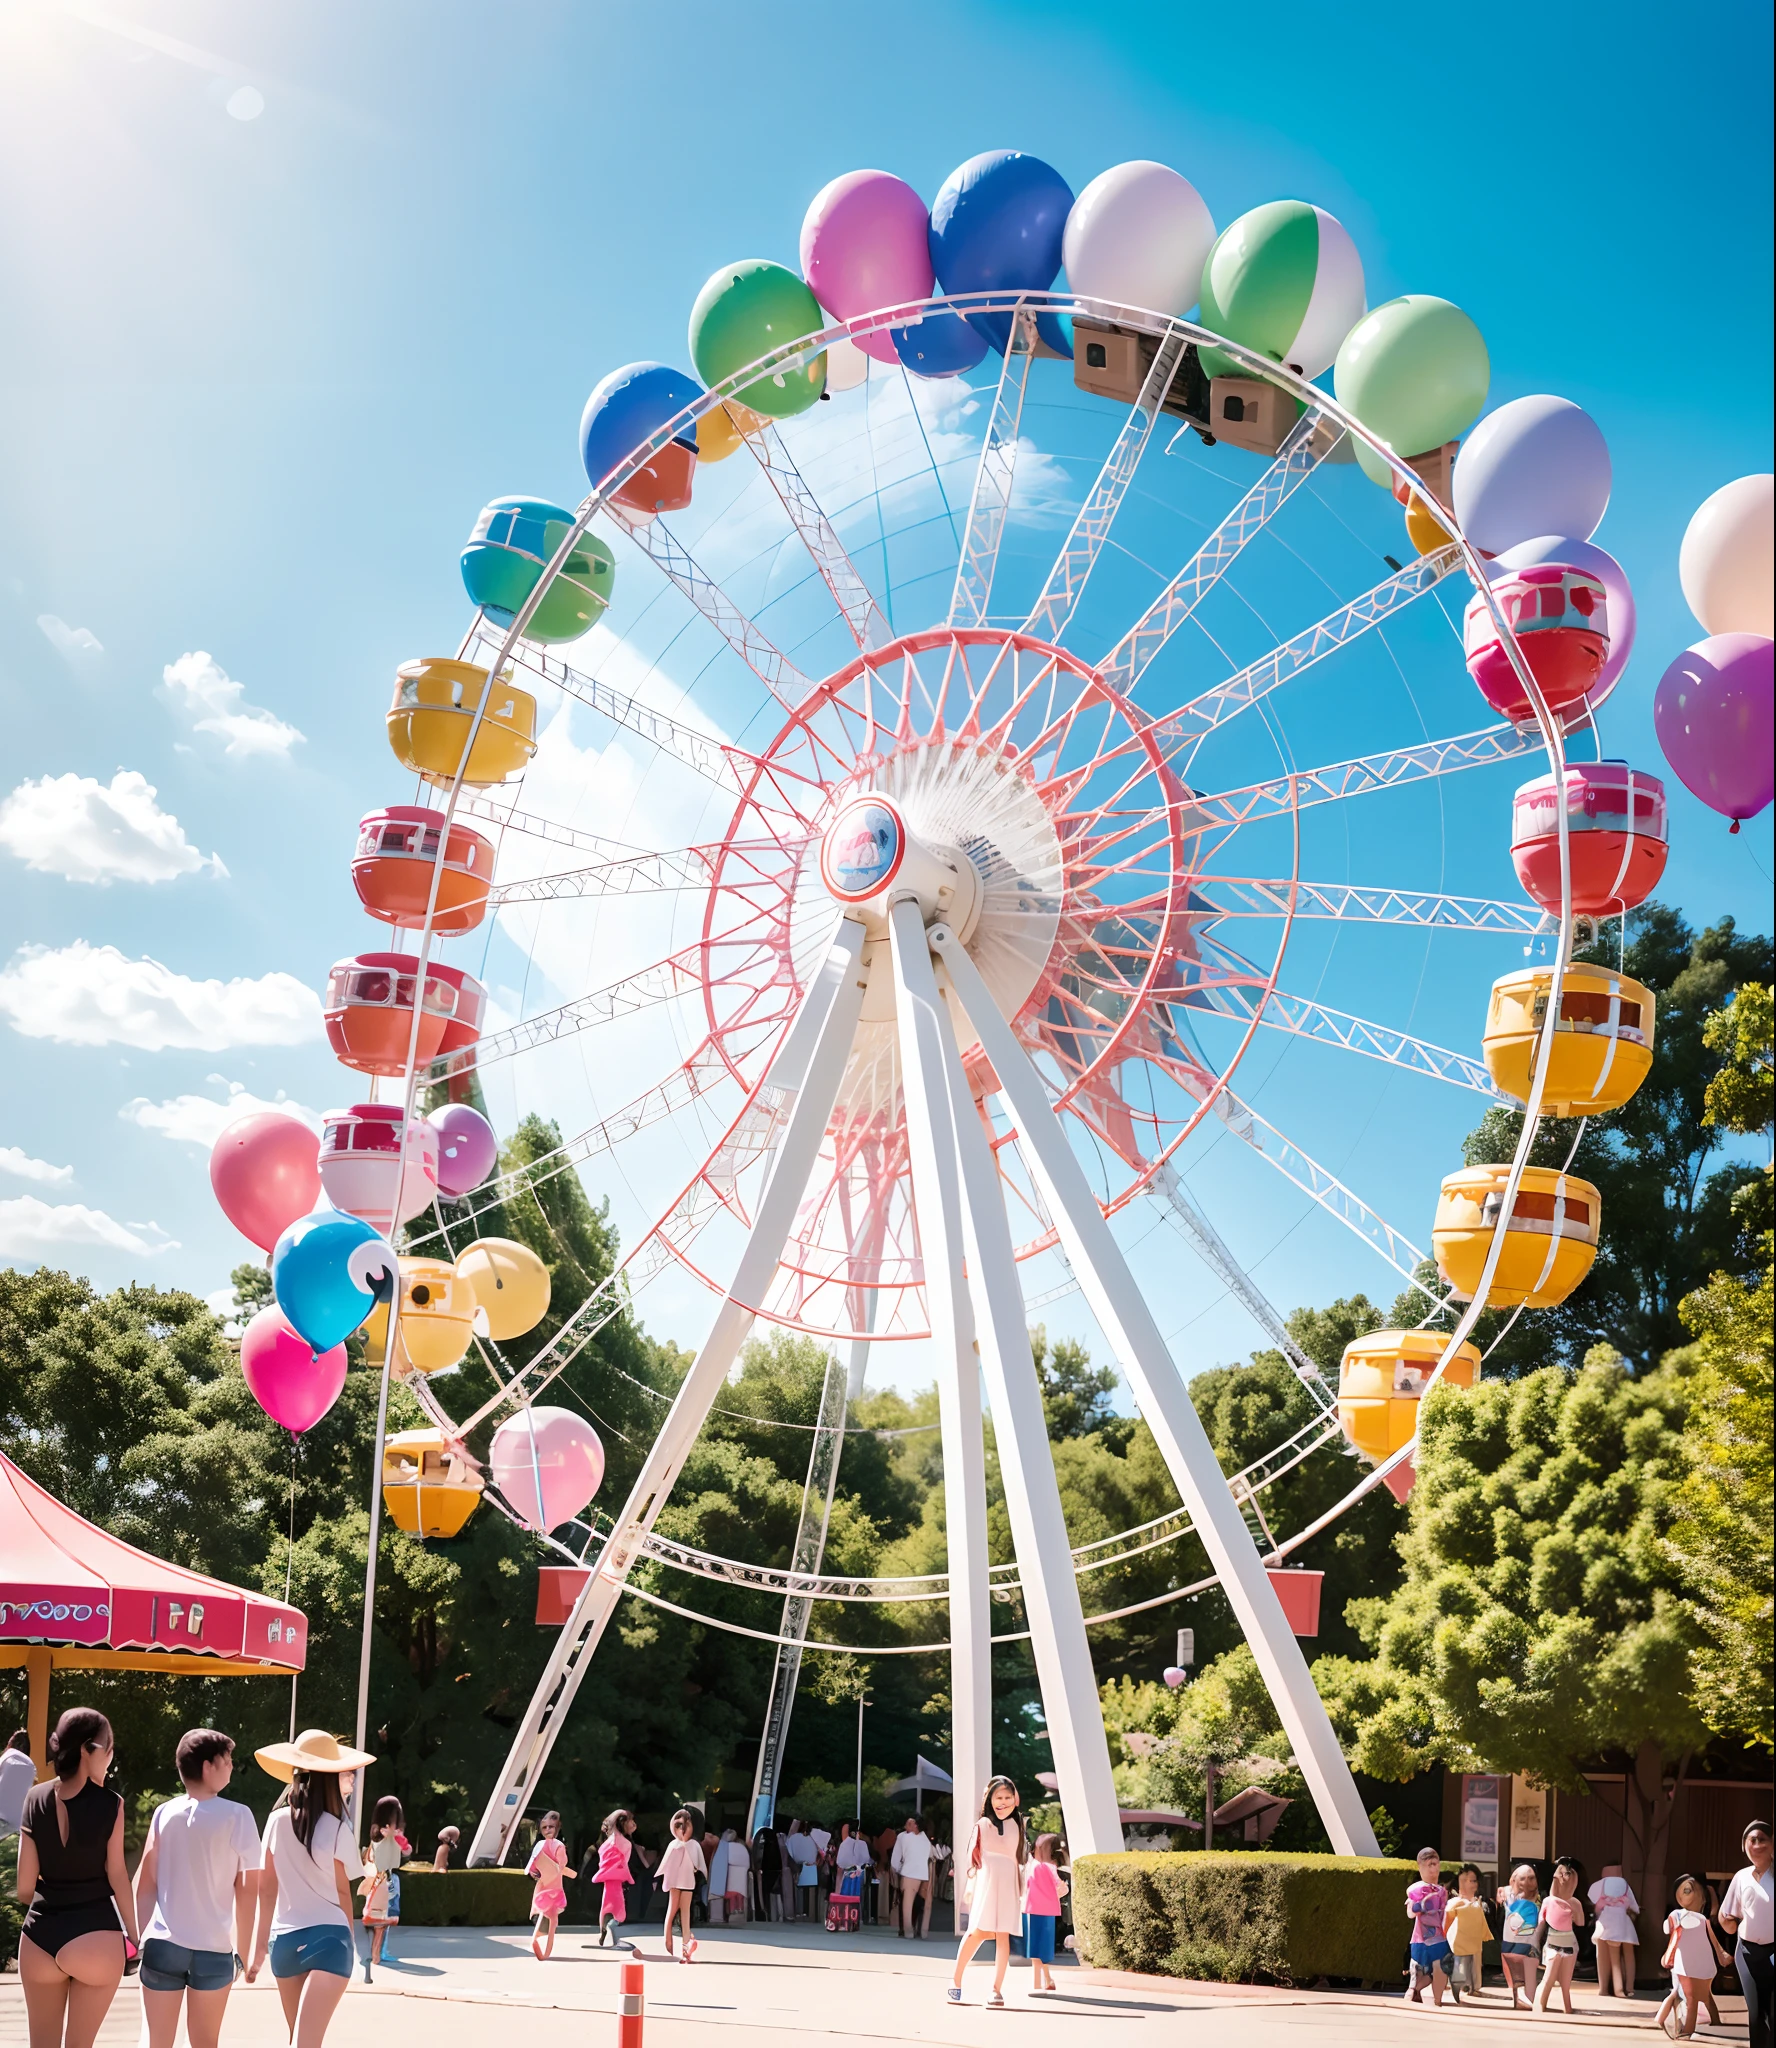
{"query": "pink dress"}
[(613, 1874), (548, 1860), (995, 1902)]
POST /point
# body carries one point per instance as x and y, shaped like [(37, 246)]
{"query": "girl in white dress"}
[(993, 1861), (1616, 1936)]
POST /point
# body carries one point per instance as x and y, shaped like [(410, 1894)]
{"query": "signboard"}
[(1529, 1819), (1480, 1820)]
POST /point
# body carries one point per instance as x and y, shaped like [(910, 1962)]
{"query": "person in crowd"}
[(1563, 1914), (680, 1868), (70, 1866), (912, 1871), (805, 1858), (615, 1847), (448, 1838), (854, 1864), (1465, 1921), (994, 1860), (822, 1839), (887, 1877), (767, 1876), (381, 1882), (17, 1775), (548, 1898), (196, 1886), (1749, 1916), (642, 1860), (727, 1878), (305, 1912), (1693, 1953), (1426, 1903), (1043, 1893), (1522, 1903), (1615, 1937)]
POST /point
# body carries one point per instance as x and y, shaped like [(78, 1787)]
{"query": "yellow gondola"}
[(1381, 1378), (1603, 1043), (429, 1487), (428, 723), (437, 1318), (1548, 1248)]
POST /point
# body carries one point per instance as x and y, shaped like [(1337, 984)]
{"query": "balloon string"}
[(289, 1560)]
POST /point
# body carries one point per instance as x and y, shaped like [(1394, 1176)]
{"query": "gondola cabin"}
[(429, 1486), (392, 869), (434, 707), (463, 1026), (514, 541), (1548, 1248), (1381, 1379), (1603, 1042), (369, 1012), (361, 1150), (1616, 835), (1560, 618)]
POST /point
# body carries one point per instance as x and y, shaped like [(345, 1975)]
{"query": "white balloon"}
[(1337, 302), (1139, 235), (846, 366), (1538, 465), (1725, 564)]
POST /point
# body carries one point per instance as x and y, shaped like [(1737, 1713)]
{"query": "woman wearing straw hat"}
[(305, 1916)]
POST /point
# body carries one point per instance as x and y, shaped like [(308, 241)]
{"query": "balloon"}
[(1537, 465), (509, 1281), (629, 407), (1286, 280), (1422, 527), (265, 1171), (1139, 235), (513, 542), (291, 1383), (745, 311), (1415, 372), (326, 1271), (997, 225), (1712, 711), (723, 428), (940, 345), (866, 245), (360, 1149), (1584, 554), (1725, 562), (847, 365), (556, 1446), (467, 1147), (1174, 1675)]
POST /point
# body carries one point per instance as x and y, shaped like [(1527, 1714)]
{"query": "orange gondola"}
[(369, 1012), (392, 869)]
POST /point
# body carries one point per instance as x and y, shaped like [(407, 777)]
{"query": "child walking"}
[(380, 1886), (1469, 1932), (1043, 1893), (1615, 1938), (613, 1874), (1692, 1954), (1426, 1903), (548, 1865), (993, 1860), (1522, 1901), (1563, 1913), (680, 1868)]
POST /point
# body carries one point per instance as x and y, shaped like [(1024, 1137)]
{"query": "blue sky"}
[(260, 373)]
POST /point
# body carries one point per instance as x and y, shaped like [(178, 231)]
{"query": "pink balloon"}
[(1712, 711), (555, 1445), (467, 1147), (866, 244), (292, 1384), (1174, 1675), (1584, 554), (266, 1172)]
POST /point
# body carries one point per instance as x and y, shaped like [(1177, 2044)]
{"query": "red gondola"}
[(1560, 616), (1616, 819), (463, 1026), (392, 869), (369, 1012)]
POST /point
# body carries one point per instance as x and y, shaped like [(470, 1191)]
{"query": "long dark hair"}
[(313, 1793), (78, 1730), (1016, 1816)]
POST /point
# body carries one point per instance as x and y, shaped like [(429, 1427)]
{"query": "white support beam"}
[(862, 615), (1123, 1315), (994, 474), (634, 874), (1238, 896)]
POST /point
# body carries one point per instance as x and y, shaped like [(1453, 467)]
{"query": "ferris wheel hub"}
[(870, 858)]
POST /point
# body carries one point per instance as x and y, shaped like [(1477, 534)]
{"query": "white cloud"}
[(23, 1167), (77, 645), (216, 703), (76, 827), (201, 1119), (95, 995), (34, 1232)]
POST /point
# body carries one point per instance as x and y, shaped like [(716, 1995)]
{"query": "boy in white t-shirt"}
[(195, 1894)]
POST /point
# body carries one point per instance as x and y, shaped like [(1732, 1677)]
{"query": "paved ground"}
[(777, 1985)]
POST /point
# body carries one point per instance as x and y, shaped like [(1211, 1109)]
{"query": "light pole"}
[(857, 1810)]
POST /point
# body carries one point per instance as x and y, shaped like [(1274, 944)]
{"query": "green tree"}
[(1077, 1396)]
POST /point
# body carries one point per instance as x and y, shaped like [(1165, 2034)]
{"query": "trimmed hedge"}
[(460, 1898), (1248, 1918)]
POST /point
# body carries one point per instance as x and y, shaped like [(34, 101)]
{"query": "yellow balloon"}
[(1422, 528), (509, 1281), (721, 430)]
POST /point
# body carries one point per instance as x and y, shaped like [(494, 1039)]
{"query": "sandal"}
[(995, 1997)]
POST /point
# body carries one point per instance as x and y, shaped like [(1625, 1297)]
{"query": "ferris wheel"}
[(1017, 731)]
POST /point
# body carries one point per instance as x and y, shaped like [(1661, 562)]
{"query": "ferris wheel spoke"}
[(639, 874), (990, 505), (1301, 453), (509, 818), (837, 571), (1242, 896), (1079, 553)]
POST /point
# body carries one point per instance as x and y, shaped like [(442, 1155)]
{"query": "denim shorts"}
[(167, 1966), (314, 1948)]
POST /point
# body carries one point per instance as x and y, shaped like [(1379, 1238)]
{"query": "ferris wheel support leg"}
[(828, 1017), (937, 1203), (1159, 1391)]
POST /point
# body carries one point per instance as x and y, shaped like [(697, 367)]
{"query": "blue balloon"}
[(996, 226), (626, 408), (940, 345), (328, 1271)]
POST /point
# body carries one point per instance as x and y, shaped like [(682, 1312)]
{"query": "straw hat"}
[(313, 1750)]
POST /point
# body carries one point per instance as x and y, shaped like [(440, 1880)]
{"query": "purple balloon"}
[(467, 1147), (1713, 715), (1584, 554), (1174, 1675)]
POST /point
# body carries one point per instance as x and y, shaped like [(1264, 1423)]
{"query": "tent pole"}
[(37, 1664)]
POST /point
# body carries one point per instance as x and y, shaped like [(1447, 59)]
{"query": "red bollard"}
[(630, 2007)]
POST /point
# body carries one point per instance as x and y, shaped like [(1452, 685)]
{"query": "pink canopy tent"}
[(73, 1598)]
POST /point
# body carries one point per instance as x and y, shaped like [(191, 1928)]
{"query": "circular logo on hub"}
[(862, 850)]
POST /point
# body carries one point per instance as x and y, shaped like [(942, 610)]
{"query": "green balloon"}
[(745, 311), (1258, 280), (1415, 372)]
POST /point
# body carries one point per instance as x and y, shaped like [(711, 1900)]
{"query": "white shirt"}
[(801, 1851), (1751, 1900), (17, 1775), (201, 1846), (854, 1854), (821, 1838), (308, 1890), (912, 1857)]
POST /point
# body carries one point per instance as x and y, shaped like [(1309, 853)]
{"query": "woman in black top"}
[(71, 1868)]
